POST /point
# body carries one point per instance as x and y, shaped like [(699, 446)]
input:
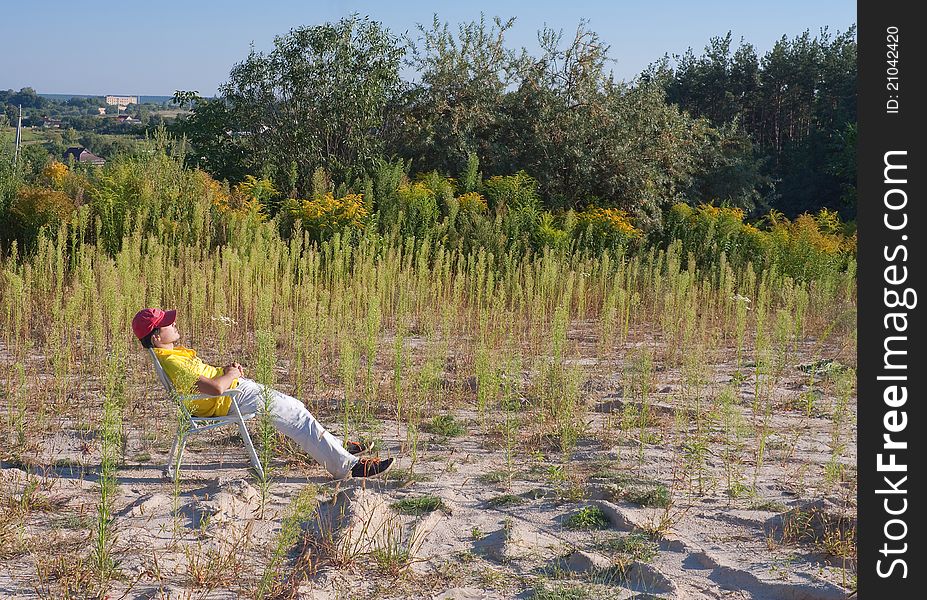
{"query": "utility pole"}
[(19, 136)]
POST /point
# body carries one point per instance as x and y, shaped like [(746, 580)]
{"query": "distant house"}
[(82, 155), (101, 110), (125, 119), (52, 123)]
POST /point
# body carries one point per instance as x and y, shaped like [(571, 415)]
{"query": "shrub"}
[(246, 199), (511, 192), (804, 251), (442, 187), (419, 209), (326, 215), (549, 235), (807, 248), (472, 202), (261, 190), (601, 229), (55, 172), (34, 208)]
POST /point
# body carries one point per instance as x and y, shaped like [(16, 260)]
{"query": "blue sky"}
[(64, 46)]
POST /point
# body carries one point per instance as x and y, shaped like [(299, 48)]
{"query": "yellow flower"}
[(55, 172), (473, 201)]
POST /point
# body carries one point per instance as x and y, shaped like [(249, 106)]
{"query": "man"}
[(155, 329)]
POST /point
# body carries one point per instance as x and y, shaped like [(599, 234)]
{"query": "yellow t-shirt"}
[(184, 369)]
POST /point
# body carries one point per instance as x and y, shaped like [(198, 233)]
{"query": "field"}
[(566, 424)]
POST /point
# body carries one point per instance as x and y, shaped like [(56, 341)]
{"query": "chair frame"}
[(191, 425)]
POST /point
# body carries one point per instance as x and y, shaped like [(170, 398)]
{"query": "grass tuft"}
[(419, 505), (588, 517), (505, 501), (445, 426)]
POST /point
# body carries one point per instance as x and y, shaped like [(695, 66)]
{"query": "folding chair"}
[(192, 425)]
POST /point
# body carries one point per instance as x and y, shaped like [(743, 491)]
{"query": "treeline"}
[(331, 96), (797, 104), (36, 108)]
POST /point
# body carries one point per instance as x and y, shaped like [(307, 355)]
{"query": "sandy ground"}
[(502, 530)]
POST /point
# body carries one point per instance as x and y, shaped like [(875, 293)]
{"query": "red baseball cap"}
[(149, 319)]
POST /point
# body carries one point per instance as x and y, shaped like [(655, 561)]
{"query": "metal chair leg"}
[(169, 468), (183, 444), (246, 437)]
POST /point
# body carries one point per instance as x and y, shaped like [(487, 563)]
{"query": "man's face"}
[(166, 335)]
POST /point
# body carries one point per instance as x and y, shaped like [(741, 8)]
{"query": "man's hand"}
[(234, 368)]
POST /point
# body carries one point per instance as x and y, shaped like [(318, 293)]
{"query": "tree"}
[(454, 108), (317, 99), (185, 98), (218, 143)]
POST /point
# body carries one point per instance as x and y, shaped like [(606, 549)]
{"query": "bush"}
[(512, 192), (326, 215), (805, 252), (418, 209), (472, 202), (34, 208), (548, 235), (601, 229), (254, 191), (55, 173), (807, 248)]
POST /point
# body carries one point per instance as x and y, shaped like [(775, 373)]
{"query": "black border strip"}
[(891, 128)]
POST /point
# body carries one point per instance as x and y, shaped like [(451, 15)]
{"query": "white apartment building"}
[(122, 101)]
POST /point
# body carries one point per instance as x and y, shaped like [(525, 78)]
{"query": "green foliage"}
[(324, 216), (418, 209), (808, 248), (656, 496), (471, 179), (505, 501), (34, 208), (548, 235), (452, 114), (316, 99), (511, 192), (796, 104), (419, 505), (636, 546), (446, 426), (601, 229), (588, 517), (215, 133)]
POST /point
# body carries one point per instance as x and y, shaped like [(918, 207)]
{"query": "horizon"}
[(213, 41)]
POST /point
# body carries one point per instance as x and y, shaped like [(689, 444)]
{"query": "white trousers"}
[(291, 418)]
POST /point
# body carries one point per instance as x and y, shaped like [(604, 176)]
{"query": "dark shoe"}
[(368, 467), (356, 447)]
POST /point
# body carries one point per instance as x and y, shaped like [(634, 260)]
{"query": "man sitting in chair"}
[(156, 330)]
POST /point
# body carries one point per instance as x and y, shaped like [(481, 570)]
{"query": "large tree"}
[(317, 99)]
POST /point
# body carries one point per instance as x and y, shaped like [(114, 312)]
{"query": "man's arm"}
[(216, 385)]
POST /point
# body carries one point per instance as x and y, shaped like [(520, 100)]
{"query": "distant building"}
[(101, 110), (121, 101), (125, 119), (51, 123), (82, 155)]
